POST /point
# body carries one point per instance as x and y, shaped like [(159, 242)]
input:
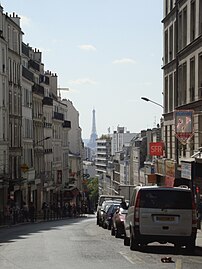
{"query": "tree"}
[(92, 186)]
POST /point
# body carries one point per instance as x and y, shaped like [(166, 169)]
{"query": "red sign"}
[(156, 148)]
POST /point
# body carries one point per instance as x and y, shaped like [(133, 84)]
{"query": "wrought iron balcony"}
[(38, 89), (48, 101), (34, 65), (25, 49), (58, 116), (27, 74), (66, 124)]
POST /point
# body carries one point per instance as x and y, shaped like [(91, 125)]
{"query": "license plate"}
[(165, 218)]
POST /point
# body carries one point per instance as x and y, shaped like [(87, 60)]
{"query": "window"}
[(166, 199), (166, 95), (192, 79), (166, 47), (193, 21), (170, 92), (171, 144), (184, 41), (171, 43), (3, 61), (184, 83), (200, 17), (200, 75), (180, 31)]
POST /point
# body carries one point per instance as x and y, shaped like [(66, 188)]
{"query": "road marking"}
[(178, 264), (133, 259)]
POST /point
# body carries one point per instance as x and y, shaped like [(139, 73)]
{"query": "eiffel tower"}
[(93, 137)]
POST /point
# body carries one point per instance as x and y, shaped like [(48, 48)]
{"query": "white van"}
[(161, 214)]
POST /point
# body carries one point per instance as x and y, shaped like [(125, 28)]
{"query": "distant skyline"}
[(107, 52)]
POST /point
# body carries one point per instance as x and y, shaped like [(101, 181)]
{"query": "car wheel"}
[(177, 248), (104, 225), (117, 234), (191, 246), (112, 231), (126, 241), (133, 243)]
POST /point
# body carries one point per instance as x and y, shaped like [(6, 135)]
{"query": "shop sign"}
[(170, 168), (184, 125), (186, 170), (159, 167), (169, 181), (24, 168), (149, 169), (151, 178), (156, 148)]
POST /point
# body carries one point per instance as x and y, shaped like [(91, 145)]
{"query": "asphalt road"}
[(80, 244)]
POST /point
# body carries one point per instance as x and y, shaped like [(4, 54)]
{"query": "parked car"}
[(103, 198), (118, 220), (104, 208), (108, 214), (163, 215)]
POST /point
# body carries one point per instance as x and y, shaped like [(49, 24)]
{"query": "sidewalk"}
[(199, 237), (39, 221)]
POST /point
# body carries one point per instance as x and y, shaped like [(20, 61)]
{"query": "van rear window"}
[(165, 199)]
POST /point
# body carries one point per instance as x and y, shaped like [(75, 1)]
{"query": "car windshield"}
[(112, 208)]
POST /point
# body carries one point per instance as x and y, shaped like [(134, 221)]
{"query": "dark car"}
[(103, 209), (118, 219), (108, 214)]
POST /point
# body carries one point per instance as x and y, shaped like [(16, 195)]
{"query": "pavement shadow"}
[(171, 250), (12, 233)]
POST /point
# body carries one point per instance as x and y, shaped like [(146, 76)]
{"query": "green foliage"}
[(92, 186)]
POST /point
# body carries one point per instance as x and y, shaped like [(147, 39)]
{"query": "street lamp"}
[(148, 100), (37, 142)]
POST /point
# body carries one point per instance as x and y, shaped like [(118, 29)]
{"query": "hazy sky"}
[(107, 52)]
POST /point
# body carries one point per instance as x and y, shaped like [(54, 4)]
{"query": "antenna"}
[(62, 89)]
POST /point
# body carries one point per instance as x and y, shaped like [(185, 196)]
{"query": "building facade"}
[(182, 74)]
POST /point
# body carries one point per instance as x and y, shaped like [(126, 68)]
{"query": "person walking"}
[(45, 209), (31, 212)]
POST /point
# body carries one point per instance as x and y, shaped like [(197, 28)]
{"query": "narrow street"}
[(80, 243)]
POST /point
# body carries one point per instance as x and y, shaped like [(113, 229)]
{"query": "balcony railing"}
[(27, 74), (44, 79), (66, 124), (58, 116), (38, 89), (25, 49), (48, 101), (34, 65)]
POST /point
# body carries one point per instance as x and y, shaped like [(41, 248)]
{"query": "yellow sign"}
[(24, 167)]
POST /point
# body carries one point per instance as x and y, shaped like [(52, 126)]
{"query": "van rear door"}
[(166, 212)]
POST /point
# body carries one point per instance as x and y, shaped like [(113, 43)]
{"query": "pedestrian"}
[(31, 211), (69, 209), (45, 209), (25, 211)]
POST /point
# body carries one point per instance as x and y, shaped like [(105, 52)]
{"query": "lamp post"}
[(149, 100), (39, 161), (37, 142)]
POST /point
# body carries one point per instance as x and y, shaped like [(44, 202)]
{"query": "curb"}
[(39, 221)]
